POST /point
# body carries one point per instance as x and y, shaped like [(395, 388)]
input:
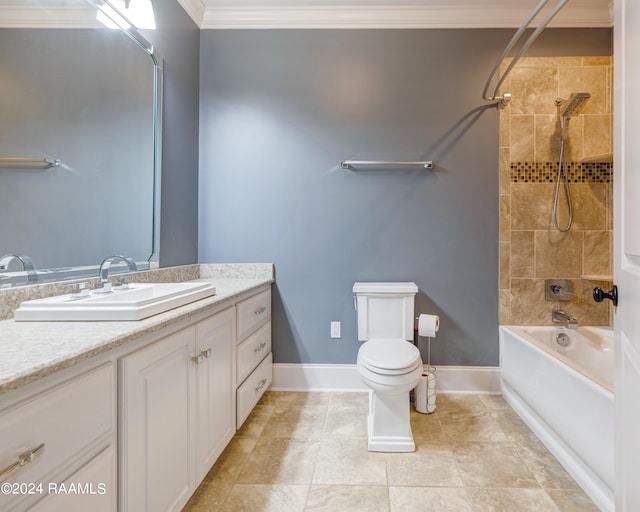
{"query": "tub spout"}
[(560, 317)]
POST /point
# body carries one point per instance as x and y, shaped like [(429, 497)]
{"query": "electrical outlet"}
[(335, 329)]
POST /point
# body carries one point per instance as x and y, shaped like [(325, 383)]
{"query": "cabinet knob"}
[(197, 358), (260, 347), (260, 310), (206, 352)]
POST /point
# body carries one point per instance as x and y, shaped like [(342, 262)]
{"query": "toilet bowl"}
[(390, 368), (388, 363)]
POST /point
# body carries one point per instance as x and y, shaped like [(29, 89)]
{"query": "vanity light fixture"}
[(124, 13)]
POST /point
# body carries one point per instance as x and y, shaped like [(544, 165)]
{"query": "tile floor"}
[(308, 452)]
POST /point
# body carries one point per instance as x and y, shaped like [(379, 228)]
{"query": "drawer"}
[(96, 481), (68, 419), (251, 351), (252, 312), (252, 389)]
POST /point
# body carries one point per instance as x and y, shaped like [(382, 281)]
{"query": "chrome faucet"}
[(27, 265), (106, 264), (560, 317)]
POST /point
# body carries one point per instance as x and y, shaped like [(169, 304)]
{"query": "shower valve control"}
[(557, 289)]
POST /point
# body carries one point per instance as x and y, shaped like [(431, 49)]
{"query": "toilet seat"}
[(389, 356)]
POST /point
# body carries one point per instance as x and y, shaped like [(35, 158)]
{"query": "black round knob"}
[(599, 294)]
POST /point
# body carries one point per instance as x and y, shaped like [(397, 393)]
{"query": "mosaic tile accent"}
[(547, 172)]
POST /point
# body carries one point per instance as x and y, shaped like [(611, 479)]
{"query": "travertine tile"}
[(598, 137), (504, 305), (531, 205), (505, 218), (352, 498), (253, 426), (558, 255), (536, 88), (504, 282), (280, 460), (505, 170), (444, 473), (527, 302), (589, 206), (509, 500), (591, 79), (348, 461), (266, 498), (428, 466), (547, 470), (522, 138), (465, 427), (420, 499), (346, 421), (597, 253), (300, 421), (573, 501), (488, 464), (547, 138), (522, 253)]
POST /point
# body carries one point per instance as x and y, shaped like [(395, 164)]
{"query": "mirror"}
[(79, 142)]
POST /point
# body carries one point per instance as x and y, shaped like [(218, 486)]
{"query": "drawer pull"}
[(206, 352), (260, 347), (260, 310), (261, 385), (23, 459)]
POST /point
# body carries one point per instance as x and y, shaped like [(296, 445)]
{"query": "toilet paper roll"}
[(425, 394), (428, 325), (421, 394)]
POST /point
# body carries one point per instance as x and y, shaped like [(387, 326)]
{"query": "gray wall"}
[(280, 109), (177, 40)]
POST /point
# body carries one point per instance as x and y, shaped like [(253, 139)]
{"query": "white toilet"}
[(388, 363)]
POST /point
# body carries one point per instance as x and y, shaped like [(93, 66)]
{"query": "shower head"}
[(575, 103)]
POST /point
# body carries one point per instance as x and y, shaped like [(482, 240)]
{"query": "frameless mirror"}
[(79, 142)]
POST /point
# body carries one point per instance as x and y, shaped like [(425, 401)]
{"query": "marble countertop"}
[(32, 350)]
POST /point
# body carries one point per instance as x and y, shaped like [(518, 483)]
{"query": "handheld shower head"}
[(575, 103)]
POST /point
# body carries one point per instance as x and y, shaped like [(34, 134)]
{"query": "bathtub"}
[(565, 395)]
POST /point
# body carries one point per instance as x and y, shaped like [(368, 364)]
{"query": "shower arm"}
[(506, 97)]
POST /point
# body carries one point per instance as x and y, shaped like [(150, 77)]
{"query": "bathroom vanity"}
[(129, 416)]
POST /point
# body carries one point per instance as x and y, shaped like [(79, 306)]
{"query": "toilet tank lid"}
[(385, 288)]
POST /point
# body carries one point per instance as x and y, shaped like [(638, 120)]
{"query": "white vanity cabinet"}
[(68, 423), (177, 413), (253, 352)]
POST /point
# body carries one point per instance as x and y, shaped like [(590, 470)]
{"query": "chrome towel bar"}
[(354, 164), (48, 162)]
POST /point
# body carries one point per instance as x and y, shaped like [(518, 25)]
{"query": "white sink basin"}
[(138, 301)]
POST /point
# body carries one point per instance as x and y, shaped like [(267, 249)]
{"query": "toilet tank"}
[(385, 310)]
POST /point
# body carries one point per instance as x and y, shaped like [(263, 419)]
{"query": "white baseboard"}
[(345, 377)]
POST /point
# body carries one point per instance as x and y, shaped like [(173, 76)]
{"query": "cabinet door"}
[(158, 423), (215, 397)]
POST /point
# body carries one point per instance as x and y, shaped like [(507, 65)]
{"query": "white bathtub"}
[(565, 395)]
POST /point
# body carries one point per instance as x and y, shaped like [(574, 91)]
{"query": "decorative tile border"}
[(547, 172)]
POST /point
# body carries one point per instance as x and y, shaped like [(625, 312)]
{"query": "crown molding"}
[(195, 9), (394, 17), (52, 17)]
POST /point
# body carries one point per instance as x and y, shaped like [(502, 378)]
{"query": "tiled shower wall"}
[(531, 248)]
